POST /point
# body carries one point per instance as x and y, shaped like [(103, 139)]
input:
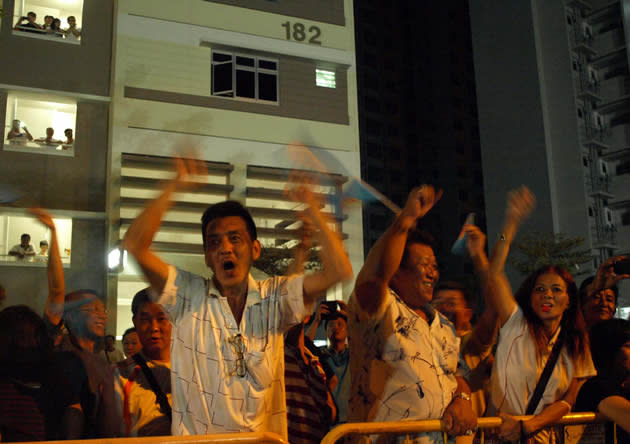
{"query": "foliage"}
[(541, 249), (275, 261)]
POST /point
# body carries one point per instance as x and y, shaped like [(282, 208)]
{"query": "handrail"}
[(221, 438), (436, 425)]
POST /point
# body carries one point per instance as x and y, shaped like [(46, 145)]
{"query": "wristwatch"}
[(465, 396)]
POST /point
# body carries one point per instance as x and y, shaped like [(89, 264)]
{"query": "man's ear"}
[(133, 319), (256, 247)]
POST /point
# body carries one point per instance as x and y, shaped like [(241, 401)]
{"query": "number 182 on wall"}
[(297, 31)]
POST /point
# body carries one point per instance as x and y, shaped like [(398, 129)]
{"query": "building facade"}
[(552, 84), (55, 81), (234, 82)]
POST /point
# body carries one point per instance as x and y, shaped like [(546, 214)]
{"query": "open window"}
[(59, 20), (244, 77), (40, 123), (14, 245)]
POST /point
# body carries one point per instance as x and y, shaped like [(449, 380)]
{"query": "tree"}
[(274, 261), (540, 249)]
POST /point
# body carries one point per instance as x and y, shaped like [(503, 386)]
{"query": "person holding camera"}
[(335, 357), (30, 25), (599, 293)]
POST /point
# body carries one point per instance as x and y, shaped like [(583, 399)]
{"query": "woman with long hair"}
[(544, 312)]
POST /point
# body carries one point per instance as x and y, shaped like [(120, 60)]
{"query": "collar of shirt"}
[(253, 297)]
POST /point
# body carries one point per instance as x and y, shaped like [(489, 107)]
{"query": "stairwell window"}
[(244, 77)]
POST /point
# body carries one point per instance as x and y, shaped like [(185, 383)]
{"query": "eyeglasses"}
[(94, 311), (240, 368)]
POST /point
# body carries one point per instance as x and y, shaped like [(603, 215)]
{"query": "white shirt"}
[(402, 367), (517, 369), (208, 394)]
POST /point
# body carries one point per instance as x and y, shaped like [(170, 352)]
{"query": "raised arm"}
[(56, 282), (499, 295), (139, 236), (335, 263), (385, 256), (606, 277)]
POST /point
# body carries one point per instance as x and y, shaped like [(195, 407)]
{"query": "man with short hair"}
[(48, 140), (30, 25), (143, 381), (404, 354), (452, 300), (24, 248), (131, 342), (227, 354), (109, 353), (69, 137), (72, 33)]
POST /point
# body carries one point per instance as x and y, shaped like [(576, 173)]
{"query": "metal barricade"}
[(435, 425), (222, 438)]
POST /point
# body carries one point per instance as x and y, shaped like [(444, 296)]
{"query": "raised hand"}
[(421, 199), (520, 204), (185, 169), (43, 217), (606, 277), (475, 240)]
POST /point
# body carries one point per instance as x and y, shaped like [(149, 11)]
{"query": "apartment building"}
[(552, 85), (60, 81), (233, 82)]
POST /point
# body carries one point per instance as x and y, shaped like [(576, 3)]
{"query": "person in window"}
[(544, 311), (609, 392), (72, 33), (24, 248), (30, 25), (56, 28), (49, 140), (16, 135), (48, 24), (69, 138)]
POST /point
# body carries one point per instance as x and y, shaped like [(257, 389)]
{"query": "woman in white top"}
[(545, 309)]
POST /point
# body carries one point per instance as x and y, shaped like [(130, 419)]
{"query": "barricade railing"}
[(222, 438), (407, 428)]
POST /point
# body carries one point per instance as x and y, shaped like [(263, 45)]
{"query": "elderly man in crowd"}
[(227, 354), (404, 355)]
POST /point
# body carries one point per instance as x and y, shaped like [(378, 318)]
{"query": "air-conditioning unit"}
[(593, 76), (608, 217), (599, 121), (603, 168)]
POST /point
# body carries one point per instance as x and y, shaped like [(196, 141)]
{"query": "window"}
[(38, 123), (49, 19), (325, 78), (625, 218), (244, 76), (13, 227)]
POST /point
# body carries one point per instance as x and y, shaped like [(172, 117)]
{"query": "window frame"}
[(256, 69)]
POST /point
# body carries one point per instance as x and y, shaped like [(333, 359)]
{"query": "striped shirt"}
[(308, 414)]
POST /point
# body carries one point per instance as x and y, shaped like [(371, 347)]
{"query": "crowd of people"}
[(232, 354), (51, 26), (19, 134)]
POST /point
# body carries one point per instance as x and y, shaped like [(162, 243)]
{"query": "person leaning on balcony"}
[(227, 353), (30, 25), (72, 32), (404, 355), (15, 135), (544, 312), (609, 392)]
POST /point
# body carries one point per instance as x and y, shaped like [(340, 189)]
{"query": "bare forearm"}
[(56, 282), (551, 414)]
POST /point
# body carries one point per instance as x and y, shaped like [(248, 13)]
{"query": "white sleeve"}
[(181, 291)]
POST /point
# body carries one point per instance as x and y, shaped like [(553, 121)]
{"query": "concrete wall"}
[(83, 68), (64, 183), (327, 11)]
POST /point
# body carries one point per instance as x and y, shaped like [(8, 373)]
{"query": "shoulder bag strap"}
[(159, 394), (544, 377)]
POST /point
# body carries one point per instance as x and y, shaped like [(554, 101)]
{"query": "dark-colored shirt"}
[(594, 391)]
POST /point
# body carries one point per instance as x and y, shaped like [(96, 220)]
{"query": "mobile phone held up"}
[(622, 267)]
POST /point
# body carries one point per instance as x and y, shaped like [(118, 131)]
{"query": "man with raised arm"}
[(404, 355), (227, 348)]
